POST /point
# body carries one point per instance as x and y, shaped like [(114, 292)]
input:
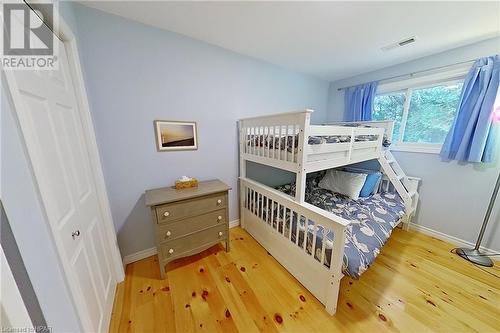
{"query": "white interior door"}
[(52, 127)]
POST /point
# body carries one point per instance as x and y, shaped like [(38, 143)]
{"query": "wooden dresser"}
[(190, 220)]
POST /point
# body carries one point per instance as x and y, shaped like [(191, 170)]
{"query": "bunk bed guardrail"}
[(283, 141), (269, 216), (387, 125)]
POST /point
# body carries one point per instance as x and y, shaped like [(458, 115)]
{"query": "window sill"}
[(417, 148)]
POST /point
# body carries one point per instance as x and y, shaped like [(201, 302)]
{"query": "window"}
[(423, 110), (431, 113), (390, 106)]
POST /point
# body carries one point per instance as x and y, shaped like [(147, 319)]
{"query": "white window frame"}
[(452, 75)]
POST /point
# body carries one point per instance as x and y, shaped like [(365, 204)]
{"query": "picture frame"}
[(171, 135)]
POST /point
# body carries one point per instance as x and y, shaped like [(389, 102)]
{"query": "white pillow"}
[(347, 183)]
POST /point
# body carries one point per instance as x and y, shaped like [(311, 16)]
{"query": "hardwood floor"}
[(415, 285)]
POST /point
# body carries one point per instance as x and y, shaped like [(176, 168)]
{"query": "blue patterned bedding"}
[(372, 221), (291, 142)]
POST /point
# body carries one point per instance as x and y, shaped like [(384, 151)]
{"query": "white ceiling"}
[(332, 40)]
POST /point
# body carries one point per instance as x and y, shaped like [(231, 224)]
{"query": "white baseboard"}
[(234, 223), (139, 255), (447, 238), (128, 259)]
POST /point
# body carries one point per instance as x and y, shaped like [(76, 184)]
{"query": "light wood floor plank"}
[(415, 285)]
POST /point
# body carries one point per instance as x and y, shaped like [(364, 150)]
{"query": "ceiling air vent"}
[(401, 43)]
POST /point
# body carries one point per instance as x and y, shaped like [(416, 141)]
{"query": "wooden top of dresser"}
[(170, 194)]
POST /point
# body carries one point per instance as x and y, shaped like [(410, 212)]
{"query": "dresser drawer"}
[(189, 225), (187, 208), (180, 246)]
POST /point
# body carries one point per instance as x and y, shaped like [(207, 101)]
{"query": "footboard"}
[(308, 241)]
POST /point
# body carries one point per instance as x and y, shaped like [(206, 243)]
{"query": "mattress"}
[(372, 221)]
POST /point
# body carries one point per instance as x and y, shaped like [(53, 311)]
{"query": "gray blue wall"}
[(454, 196), (135, 74)]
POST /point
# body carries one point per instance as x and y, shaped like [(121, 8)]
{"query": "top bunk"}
[(288, 141)]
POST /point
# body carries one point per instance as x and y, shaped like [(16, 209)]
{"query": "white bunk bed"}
[(276, 220)]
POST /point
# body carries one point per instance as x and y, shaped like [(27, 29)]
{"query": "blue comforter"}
[(372, 221)]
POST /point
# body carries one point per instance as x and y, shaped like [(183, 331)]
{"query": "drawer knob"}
[(220, 233), (171, 251), (219, 202), (166, 214), (168, 233), (219, 218)]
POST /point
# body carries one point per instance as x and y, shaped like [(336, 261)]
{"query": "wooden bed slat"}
[(323, 244), (313, 247)]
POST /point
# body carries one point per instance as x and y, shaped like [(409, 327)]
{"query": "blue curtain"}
[(358, 102), (473, 135)]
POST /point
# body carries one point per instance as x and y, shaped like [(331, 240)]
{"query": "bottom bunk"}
[(372, 220), (344, 236)]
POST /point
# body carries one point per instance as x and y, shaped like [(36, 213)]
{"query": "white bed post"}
[(333, 283), (243, 170), (300, 178)]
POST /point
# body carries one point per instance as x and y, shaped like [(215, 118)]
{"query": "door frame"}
[(16, 312), (64, 33)]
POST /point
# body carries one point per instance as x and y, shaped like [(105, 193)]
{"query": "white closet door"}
[(47, 110)]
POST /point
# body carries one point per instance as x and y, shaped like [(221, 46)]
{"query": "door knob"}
[(75, 234)]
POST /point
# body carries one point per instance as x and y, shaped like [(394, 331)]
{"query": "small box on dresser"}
[(188, 221)]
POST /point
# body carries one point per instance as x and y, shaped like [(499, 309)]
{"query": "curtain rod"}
[(412, 73)]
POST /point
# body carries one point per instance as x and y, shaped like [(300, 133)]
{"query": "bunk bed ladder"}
[(400, 174), (405, 186)]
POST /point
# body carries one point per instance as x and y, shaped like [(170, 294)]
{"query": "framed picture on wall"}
[(175, 135)]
